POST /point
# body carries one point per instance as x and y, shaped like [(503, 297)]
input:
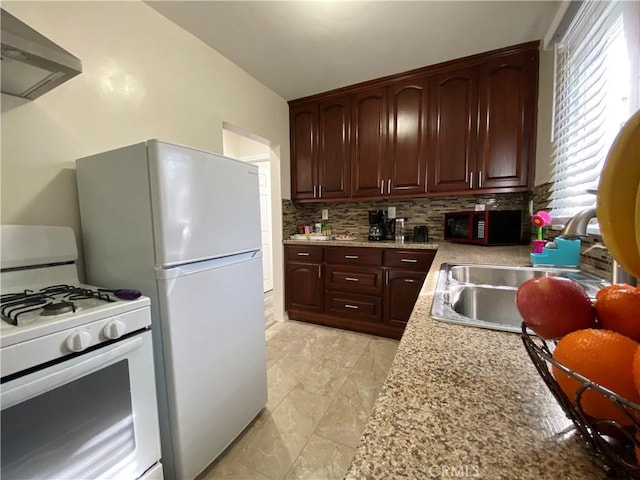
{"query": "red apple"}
[(554, 306)]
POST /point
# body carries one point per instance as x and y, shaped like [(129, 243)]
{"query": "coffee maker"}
[(377, 219)]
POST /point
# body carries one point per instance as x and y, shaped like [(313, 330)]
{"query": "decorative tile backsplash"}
[(353, 217)]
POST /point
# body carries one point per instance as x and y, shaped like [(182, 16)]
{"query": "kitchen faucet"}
[(576, 227)]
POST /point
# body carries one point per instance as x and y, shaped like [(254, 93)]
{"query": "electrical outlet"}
[(325, 214), (391, 212)]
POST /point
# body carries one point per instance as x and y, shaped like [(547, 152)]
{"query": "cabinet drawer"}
[(348, 278), (351, 305), (414, 259), (304, 253), (354, 256)]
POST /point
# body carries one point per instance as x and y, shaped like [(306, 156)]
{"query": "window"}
[(597, 86)]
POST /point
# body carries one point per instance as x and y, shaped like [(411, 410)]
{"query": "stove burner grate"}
[(58, 308), (13, 305), (76, 293), (52, 300)]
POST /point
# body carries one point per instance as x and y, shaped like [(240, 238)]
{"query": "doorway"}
[(248, 150)]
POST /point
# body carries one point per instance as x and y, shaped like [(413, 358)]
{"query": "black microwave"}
[(487, 227)]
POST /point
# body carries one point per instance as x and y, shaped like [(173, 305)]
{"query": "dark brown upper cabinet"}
[(458, 127), (507, 119), (303, 123), (368, 146), (389, 147), (453, 119), (407, 140), (320, 145), (483, 126)]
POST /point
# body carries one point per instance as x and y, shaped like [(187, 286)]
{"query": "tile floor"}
[(322, 385), (268, 309)]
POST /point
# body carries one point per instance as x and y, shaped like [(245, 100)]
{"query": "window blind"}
[(593, 85)]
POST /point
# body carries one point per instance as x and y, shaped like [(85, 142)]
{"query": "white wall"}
[(143, 77), (545, 111), (236, 145)]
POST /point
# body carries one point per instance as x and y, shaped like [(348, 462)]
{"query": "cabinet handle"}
[(409, 260), (381, 187), (389, 186), (352, 279), (319, 271), (355, 307), (303, 254), (314, 191), (480, 179), (386, 277), (351, 257), (319, 191), (471, 180), (408, 280)]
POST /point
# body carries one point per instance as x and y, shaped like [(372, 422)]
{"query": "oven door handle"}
[(11, 396)]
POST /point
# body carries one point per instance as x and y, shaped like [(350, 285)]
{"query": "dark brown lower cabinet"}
[(305, 287), (364, 289), (400, 295)]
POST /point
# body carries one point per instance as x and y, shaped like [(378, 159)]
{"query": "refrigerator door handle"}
[(203, 266)]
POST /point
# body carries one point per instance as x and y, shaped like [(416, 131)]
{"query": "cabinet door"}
[(401, 292), (368, 144), (453, 106), (507, 98), (407, 139), (333, 148), (304, 287), (303, 121)]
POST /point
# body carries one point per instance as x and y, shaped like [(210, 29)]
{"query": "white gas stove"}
[(46, 313), (60, 341)]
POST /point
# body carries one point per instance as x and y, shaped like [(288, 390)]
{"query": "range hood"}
[(31, 63)]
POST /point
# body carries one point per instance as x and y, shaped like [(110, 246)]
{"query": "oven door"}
[(92, 416)]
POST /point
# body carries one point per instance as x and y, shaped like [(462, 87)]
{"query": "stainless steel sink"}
[(484, 295), (487, 304), (500, 275)]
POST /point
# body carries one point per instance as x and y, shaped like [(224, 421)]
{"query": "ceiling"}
[(300, 48)]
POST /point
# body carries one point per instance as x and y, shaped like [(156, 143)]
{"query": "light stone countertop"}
[(465, 402)]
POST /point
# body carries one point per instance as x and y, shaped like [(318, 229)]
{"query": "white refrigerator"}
[(183, 226)]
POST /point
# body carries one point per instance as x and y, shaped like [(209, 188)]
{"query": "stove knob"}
[(114, 329), (78, 341)]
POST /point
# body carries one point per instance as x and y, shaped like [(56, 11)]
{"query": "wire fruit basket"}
[(612, 443)]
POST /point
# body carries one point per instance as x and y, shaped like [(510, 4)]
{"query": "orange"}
[(618, 309), (605, 358), (636, 370), (636, 379)]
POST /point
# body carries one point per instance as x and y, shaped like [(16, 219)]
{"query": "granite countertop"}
[(465, 402), (362, 243)]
